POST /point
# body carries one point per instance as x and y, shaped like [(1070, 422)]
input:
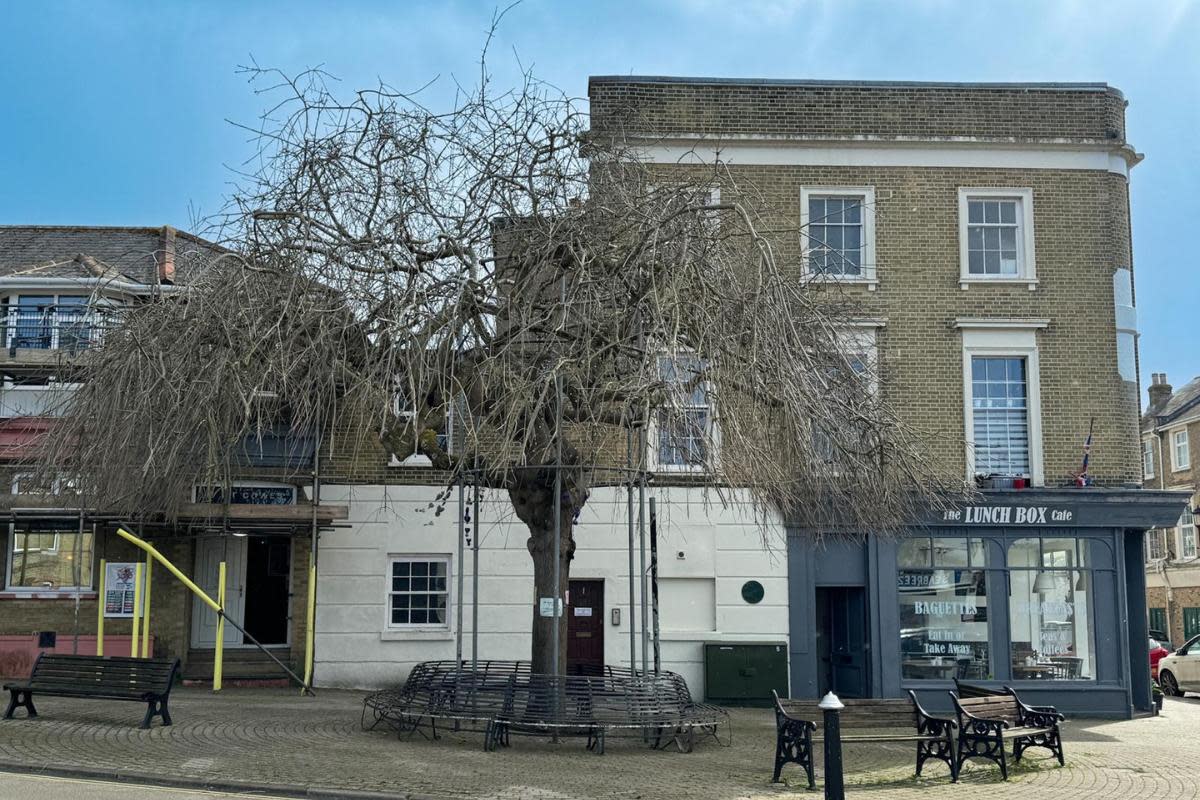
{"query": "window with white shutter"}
[(1000, 415)]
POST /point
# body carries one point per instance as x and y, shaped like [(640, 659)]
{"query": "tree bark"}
[(533, 499)]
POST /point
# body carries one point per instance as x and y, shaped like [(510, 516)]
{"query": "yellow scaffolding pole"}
[(218, 661), (216, 605), (146, 609), (308, 631), (137, 610), (100, 612)]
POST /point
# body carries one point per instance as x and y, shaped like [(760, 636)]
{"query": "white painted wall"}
[(707, 551)]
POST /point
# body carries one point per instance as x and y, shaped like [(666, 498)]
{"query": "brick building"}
[(1170, 426), (984, 230), (61, 288)]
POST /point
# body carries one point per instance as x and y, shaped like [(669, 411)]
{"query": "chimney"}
[(1160, 390), (166, 261)]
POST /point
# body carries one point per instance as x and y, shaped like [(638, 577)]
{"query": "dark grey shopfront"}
[(1043, 590)]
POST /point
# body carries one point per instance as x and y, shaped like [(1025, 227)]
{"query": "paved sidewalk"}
[(266, 739)]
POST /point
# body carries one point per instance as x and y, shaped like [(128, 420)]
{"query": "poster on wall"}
[(118, 589)]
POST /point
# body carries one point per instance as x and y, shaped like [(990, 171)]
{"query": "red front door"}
[(585, 628)]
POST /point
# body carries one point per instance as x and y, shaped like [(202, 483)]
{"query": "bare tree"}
[(388, 261)]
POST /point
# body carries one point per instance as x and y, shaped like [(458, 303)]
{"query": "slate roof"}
[(130, 254), (1182, 400)]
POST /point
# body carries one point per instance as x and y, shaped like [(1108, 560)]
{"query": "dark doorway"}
[(268, 589), (842, 641), (585, 628)]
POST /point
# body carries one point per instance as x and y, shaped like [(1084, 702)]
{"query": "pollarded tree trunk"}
[(533, 500)]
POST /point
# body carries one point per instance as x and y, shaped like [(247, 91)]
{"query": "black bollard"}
[(835, 788)]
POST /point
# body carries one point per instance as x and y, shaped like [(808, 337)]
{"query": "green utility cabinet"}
[(744, 673)]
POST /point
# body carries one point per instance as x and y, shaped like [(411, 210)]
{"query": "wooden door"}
[(209, 552), (585, 628)]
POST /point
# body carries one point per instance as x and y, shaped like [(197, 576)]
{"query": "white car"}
[(1179, 672)]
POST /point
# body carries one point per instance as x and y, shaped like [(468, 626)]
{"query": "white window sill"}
[(870, 282), (965, 282), (1184, 468), (44, 594), (416, 635)]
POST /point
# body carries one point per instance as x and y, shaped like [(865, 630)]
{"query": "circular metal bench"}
[(502, 699)]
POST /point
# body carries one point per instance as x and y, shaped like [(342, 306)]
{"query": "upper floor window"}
[(1187, 534), (1000, 415), (838, 230), (445, 431), (1181, 457), (1148, 458), (1154, 546), (996, 236), (683, 427), (49, 322)]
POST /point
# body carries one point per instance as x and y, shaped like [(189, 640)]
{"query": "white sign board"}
[(546, 607), (118, 589), (581, 611)]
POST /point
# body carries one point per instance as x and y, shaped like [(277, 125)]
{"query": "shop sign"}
[(1009, 515)]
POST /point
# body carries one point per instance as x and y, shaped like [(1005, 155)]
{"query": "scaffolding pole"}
[(645, 571), (632, 579), (475, 579)]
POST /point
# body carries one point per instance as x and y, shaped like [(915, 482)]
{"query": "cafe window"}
[(49, 557), (942, 584), (1051, 619)]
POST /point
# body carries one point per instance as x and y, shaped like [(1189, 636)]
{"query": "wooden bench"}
[(796, 722), (146, 680), (986, 723)]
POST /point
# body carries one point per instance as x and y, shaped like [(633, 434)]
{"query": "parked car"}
[(1157, 651), (1179, 672), (1162, 639)]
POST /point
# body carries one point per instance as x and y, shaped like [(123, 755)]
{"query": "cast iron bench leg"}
[(16, 702)]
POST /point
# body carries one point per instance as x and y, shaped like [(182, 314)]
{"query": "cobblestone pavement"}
[(277, 738)]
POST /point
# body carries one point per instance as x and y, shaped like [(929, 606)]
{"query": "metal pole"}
[(557, 526), (830, 706), (310, 615), (458, 611), (645, 571), (654, 583), (475, 578), (100, 610), (632, 575)]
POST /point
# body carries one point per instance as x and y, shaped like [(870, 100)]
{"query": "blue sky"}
[(116, 112)]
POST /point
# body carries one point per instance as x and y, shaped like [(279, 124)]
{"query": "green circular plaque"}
[(752, 592)]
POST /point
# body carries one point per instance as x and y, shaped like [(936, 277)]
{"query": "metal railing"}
[(51, 327)]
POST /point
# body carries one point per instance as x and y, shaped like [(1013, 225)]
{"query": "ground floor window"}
[(1158, 620), (419, 591), (943, 608), (1051, 621), (49, 557), (1191, 622)]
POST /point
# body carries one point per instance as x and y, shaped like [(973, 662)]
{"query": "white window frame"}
[(1186, 524), (1012, 339), (713, 454), (1155, 535), (869, 276), (439, 627), (862, 338), (1148, 458), (1026, 258), (1177, 463), (417, 458)]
